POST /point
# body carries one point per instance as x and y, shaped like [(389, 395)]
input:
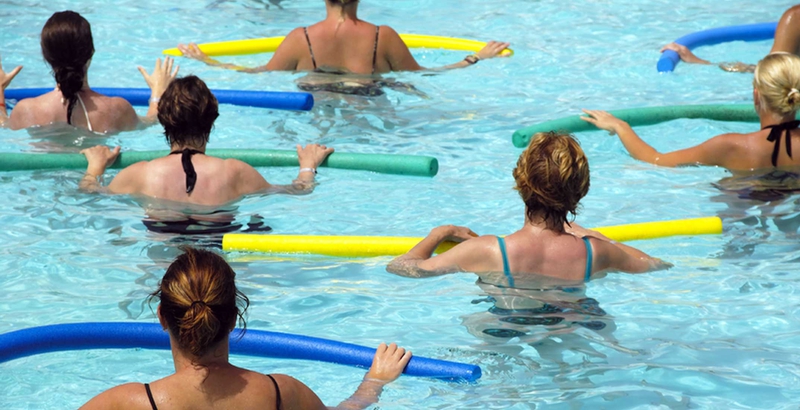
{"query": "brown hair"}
[(187, 111), (777, 79), (342, 2), (552, 176), (199, 300), (67, 45)]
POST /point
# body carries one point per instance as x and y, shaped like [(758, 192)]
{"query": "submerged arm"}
[(618, 256), (418, 263), (5, 81)]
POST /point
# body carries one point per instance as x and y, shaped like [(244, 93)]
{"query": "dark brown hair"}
[(199, 300), (187, 111), (552, 176), (67, 45)]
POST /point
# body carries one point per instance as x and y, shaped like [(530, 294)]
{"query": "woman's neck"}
[(767, 117), (181, 147), (340, 13), (216, 357), (537, 223)]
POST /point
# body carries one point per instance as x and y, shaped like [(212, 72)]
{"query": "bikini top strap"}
[(310, 50), (85, 112), (375, 48), (589, 258), (188, 167), (775, 136), (150, 396), (506, 268), (277, 392)]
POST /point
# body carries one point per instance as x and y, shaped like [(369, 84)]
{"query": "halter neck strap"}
[(188, 167), (775, 136)]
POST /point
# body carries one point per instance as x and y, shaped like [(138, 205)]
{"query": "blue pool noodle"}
[(749, 32), (85, 336), (141, 97)]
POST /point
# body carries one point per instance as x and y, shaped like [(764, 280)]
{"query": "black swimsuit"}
[(277, 394), (775, 136), (188, 168)]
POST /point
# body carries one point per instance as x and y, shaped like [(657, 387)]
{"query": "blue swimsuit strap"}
[(589, 258), (506, 269)]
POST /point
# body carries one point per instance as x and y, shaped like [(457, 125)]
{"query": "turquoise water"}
[(720, 330)]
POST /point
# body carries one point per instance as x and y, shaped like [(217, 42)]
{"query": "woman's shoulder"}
[(293, 392), (124, 396)]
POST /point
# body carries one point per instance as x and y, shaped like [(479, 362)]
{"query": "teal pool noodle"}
[(416, 165), (643, 116)]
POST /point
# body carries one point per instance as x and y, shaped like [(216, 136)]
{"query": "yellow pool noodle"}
[(370, 246), (270, 44)]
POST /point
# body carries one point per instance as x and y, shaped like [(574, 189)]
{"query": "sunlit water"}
[(720, 330)]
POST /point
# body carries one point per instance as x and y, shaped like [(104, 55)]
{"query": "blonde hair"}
[(552, 176), (199, 300), (777, 79)]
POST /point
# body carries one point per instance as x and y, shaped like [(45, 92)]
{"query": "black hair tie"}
[(188, 167), (775, 136)]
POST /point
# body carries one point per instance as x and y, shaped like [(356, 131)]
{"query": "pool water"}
[(719, 330)]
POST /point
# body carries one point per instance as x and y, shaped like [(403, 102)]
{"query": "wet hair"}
[(777, 79), (187, 111), (67, 45), (552, 176), (199, 300)]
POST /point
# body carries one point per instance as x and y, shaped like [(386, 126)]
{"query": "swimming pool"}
[(717, 331)]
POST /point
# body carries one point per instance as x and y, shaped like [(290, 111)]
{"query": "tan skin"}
[(107, 114), (534, 252), (787, 40), (211, 382), (736, 152), (341, 41), (219, 181)]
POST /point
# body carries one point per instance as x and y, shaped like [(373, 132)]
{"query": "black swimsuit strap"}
[(375, 48), (310, 50), (277, 392), (150, 396), (775, 136), (188, 167)]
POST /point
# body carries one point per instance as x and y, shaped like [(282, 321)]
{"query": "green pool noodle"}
[(386, 164), (644, 116)]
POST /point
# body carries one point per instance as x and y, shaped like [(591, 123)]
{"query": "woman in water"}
[(199, 307), (343, 44), (776, 95), (552, 175), (68, 47), (187, 176)]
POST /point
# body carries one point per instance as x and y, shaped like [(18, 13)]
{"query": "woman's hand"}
[(193, 51), (388, 363), (604, 121), (493, 49), (684, 53), (312, 155), (100, 157), (6, 78), (163, 74), (452, 233)]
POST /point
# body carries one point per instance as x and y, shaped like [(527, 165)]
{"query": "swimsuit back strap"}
[(150, 396), (277, 392), (375, 48), (310, 50), (506, 269), (85, 112), (188, 167), (589, 258), (775, 136)]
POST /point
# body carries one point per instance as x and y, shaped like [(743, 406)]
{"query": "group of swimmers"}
[(198, 300)]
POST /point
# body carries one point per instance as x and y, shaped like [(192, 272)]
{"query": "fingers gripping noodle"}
[(415, 165), (85, 336), (270, 44), (749, 32), (371, 246), (643, 116), (296, 101)]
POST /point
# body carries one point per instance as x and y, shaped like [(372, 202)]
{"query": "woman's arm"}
[(284, 59), (418, 263), (400, 58), (309, 158), (100, 158), (387, 365), (688, 56), (712, 152), (163, 74), (5, 81)]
